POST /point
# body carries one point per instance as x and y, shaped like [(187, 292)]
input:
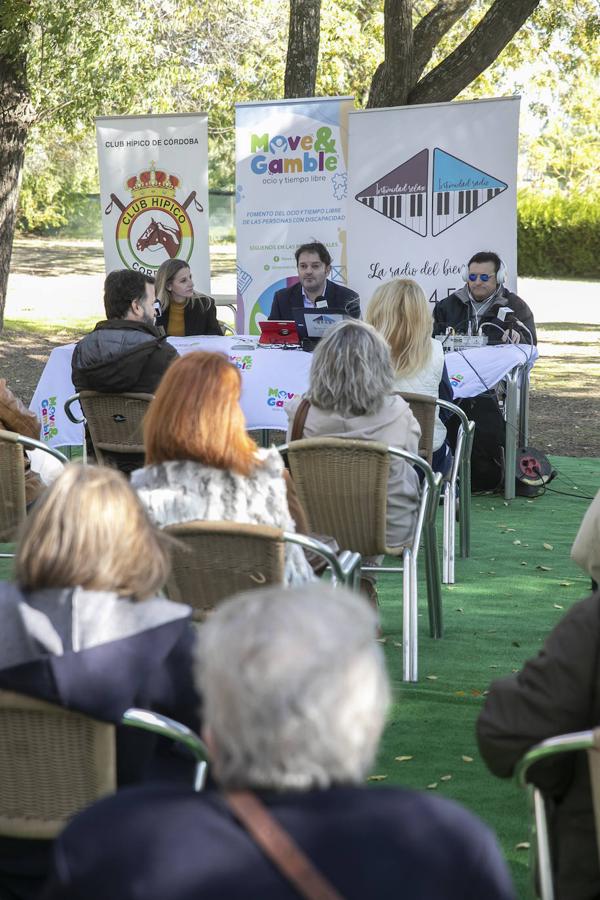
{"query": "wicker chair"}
[(114, 421), (541, 860), (12, 479), (425, 409), (342, 485), (53, 763), (173, 731), (213, 560)]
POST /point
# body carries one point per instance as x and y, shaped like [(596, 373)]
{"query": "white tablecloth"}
[(269, 378)]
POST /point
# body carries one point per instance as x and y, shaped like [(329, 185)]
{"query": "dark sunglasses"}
[(484, 278)]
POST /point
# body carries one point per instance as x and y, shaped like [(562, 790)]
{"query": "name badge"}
[(321, 303)]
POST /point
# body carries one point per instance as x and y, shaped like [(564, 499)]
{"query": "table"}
[(271, 376)]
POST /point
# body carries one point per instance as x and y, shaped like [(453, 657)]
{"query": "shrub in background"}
[(558, 234)]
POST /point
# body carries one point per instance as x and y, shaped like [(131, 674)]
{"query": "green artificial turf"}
[(513, 589), (508, 595)]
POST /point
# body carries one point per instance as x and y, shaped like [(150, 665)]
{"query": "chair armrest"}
[(31, 444), (309, 543), (175, 731), (69, 412)]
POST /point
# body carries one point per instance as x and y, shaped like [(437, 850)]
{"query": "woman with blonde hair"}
[(183, 311), (82, 626), (400, 312), (202, 464)]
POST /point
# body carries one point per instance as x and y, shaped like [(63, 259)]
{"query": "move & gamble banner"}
[(429, 186), (154, 192), (291, 174)]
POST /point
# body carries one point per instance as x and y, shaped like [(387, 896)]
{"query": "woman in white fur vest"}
[(202, 464)]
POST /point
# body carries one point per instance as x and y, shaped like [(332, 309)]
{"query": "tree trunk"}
[(393, 79), (473, 56), (16, 115), (303, 48)]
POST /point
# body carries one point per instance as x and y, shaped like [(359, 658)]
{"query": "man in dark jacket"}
[(485, 306), (314, 290), (126, 352)]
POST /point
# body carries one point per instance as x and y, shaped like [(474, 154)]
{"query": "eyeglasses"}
[(484, 278)]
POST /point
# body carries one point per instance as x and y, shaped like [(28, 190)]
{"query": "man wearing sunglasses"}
[(485, 306)]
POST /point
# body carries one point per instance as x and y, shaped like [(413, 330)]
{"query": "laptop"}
[(312, 324), (278, 333)]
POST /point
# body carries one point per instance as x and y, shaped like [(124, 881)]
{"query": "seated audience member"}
[(295, 695), (351, 396), (476, 308), (314, 290), (556, 692), (83, 627), (15, 417), (183, 310), (126, 353), (201, 463), (400, 312), (586, 547)]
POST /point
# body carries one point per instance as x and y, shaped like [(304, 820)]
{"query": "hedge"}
[(558, 235)]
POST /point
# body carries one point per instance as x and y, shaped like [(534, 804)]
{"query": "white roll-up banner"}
[(154, 192), (292, 160), (429, 186)]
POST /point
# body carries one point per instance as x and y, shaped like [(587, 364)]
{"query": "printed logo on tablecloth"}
[(458, 189), (48, 418), (154, 226), (455, 380), (242, 362), (278, 397)]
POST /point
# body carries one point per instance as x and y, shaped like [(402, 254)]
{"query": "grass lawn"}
[(513, 589)]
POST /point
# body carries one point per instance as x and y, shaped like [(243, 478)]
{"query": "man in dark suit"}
[(314, 291)]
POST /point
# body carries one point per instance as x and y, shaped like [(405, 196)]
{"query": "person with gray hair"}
[(351, 396), (295, 697)]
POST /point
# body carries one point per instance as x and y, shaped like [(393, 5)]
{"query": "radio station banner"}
[(430, 186), (154, 192), (292, 160)]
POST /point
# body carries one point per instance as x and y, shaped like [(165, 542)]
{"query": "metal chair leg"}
[(410, 634), (434, 583)]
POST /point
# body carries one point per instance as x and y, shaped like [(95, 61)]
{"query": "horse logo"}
[(153, 226)]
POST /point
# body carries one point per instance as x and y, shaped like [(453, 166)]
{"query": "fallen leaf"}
[(524, 845), (432, 786), (467, 759), (566, 583), (397, 643), (431, 677), (475, 693), (524, 564), (445, 777), (493, 666), (460, 694), (403, 758), (485, 693), (381, 640), (516, 644), (459, 609), (548, 546), (505, 503), (557, 606), (517, 541), (376, 777), (544, 568)]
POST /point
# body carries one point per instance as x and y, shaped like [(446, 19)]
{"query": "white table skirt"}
[(269, 377)]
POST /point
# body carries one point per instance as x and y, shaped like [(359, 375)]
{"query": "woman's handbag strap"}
[(279, 846), (300, 419)]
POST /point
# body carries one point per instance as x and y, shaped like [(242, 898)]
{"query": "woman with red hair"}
[(202, 464)]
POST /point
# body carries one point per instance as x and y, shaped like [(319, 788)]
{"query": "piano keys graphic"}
[(401, 195), (458, 189)]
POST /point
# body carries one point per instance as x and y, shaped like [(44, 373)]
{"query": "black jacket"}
[(166, 842), (456, 312), (339, 298), (196, 320), (556, 692), (121, 355)]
